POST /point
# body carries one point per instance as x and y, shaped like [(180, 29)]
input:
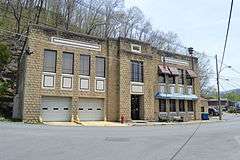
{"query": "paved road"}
[(220, 140)]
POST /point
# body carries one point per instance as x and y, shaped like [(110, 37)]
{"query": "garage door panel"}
[(91, 110), (55, 109)]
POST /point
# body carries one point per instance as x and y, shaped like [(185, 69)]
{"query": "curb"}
[(178, 123)]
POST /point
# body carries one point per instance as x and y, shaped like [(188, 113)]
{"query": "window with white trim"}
[(85, 65), (137, 71), (136, 48), (68, 64), (100, 67), (49, 64)]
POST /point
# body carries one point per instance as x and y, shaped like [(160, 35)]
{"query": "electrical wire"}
[(179, 150), (226, 37)]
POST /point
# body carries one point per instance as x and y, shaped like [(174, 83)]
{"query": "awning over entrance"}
[(176, 96), (174, 71), (164, 69), (191, 73)]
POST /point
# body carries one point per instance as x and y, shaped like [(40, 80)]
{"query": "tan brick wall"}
[(147, 99), (117, 98), (124, 87), (113, 82), (33, 81)]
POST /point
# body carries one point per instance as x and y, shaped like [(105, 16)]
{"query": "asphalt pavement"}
[(212, 141)]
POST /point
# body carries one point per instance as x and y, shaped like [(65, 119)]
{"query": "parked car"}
[(213, 112)]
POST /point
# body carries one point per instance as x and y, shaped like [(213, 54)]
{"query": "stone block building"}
[(76, 77)]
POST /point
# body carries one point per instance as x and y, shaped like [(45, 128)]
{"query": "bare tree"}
[(144, 31), (39, 6), (68, 12), (104, 18), (17, 9), (165, 41), (205, 71), (130, 21)]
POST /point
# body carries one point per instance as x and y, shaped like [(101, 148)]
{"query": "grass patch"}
[(3, 119)]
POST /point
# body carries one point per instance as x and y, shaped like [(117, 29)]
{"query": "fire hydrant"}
[(122, 119)]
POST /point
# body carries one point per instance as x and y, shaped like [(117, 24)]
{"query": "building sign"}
[(136, 88), (175, 61), (77, 44)]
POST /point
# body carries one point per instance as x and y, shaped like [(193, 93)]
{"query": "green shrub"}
[(232, 110)]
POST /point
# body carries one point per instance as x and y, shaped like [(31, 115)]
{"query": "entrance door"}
[(135, 107)]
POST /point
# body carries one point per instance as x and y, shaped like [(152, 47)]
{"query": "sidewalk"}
[(61, 123), (176, 123), (103, 124), (129, 124), (88, 123)]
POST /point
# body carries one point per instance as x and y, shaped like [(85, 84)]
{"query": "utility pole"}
[(218, 90)]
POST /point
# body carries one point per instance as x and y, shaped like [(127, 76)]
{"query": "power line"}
[(222, 87), (226, 37), (234, 85), (187, 141)]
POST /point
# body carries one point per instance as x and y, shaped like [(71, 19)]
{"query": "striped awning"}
[(164, 69), (174, 71), (192, 73), (176, 96)]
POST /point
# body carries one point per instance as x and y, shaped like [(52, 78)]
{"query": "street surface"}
[(213, 141)]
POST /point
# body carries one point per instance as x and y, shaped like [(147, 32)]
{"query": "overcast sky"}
[(201, 24)]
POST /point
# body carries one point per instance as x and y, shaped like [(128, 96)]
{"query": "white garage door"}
[(91, 110), (56, 109)]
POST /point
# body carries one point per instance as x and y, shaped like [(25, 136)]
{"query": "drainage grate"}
[(117, 139)]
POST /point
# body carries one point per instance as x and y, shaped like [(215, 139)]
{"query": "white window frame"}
[(174, 86), (67, 76), (136, 51), (188, 88), (90, 59), (54, 79), (104, 84), (180, 86), (164, 87), (84, 77)]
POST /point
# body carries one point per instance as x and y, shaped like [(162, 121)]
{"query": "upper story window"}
[(171, 79), (137, 71), (100, 67), (136, 48), (85, 65), (189, 80), (49, 61), (68, 65), (162, 78), (181, 76)]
